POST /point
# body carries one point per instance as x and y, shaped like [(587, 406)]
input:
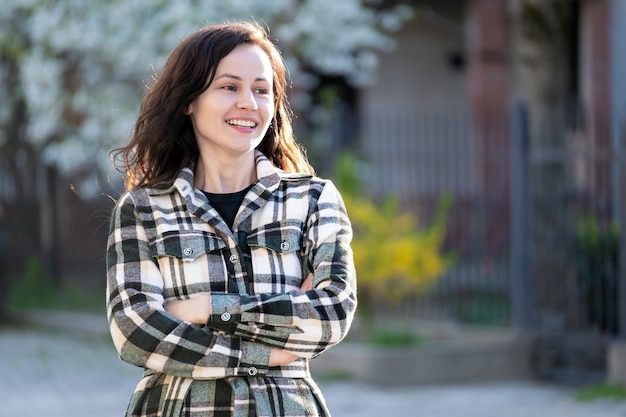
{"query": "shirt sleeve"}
[(147, 336), (305, 323)]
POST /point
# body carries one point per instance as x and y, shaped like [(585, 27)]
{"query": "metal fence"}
[(569, 247), (532, 228), (423, 155)]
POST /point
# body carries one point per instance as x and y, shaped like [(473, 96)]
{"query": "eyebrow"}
[(238, 78)]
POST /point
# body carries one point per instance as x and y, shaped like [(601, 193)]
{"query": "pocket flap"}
[(187, 246), (282, 237)]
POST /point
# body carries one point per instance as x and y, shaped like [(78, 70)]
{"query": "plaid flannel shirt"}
[(168, 244)]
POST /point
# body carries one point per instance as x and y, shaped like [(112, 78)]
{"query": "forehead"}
[(246, 61)]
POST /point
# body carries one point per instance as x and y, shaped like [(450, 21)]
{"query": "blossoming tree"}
[(73, 70)]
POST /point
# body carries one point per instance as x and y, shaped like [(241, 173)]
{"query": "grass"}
[(602, 391), (394, 336), (338, 375)]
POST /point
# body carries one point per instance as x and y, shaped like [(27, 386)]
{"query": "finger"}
[(307, 284)]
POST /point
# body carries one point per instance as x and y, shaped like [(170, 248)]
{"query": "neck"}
[(219, 176)]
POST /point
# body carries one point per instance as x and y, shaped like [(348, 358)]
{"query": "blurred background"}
[(479, 145)]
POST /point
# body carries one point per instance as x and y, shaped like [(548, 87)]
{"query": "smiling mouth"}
[(241, 123)]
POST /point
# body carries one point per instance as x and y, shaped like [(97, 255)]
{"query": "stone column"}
[(488, 80)]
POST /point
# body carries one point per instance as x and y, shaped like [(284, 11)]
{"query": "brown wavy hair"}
[(163, 142)]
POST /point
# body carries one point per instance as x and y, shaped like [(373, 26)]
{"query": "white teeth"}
[(243, 123)]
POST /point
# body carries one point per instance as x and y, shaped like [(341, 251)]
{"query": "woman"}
[(229, 264)]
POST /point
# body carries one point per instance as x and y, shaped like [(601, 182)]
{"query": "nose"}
[(247, 101)]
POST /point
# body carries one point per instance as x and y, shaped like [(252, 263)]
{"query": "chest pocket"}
[(190, 262), (276, 250)]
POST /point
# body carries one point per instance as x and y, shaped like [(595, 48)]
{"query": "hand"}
[(196, 309), (279, 357), (307, 284)]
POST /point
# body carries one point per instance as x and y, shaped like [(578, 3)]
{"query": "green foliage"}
[(596, 254), (597, 241), (35, 290), (602, 391), (395, 259), (338, 375), (395, 336), (484, 307)]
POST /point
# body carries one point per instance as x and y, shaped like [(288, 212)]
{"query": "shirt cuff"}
[(255, 359), (225, 312)]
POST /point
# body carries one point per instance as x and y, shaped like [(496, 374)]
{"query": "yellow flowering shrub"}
[(395, 258)]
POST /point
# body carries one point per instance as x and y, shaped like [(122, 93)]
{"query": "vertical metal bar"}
[(619, 164), (520, 287)]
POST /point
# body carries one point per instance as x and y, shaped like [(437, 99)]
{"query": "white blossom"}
[(41, 81), (83, 66)]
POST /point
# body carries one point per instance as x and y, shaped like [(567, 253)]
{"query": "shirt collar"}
[(269, 176)]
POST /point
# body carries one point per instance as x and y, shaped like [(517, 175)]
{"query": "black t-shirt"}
[(227, 204)]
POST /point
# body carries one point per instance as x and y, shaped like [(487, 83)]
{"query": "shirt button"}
[(233, 258), (284, 245), (187, 251), (252, 371), (225, 316)]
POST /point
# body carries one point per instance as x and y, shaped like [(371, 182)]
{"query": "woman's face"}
[(232, 115)]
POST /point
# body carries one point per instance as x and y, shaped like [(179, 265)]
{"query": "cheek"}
[(203, 114), (270, 109)]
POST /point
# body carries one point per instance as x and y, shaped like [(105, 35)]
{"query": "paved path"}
[(67, 374)]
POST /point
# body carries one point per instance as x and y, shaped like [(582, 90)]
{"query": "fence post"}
[(520, 287), (619, 165)]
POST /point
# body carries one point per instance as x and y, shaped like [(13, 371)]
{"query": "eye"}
[(229, 87), (262, 91)]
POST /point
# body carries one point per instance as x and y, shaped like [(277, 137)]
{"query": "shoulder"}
[(307, 180), (140, 200), (133, 197), (294, 177), (316, 189)]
